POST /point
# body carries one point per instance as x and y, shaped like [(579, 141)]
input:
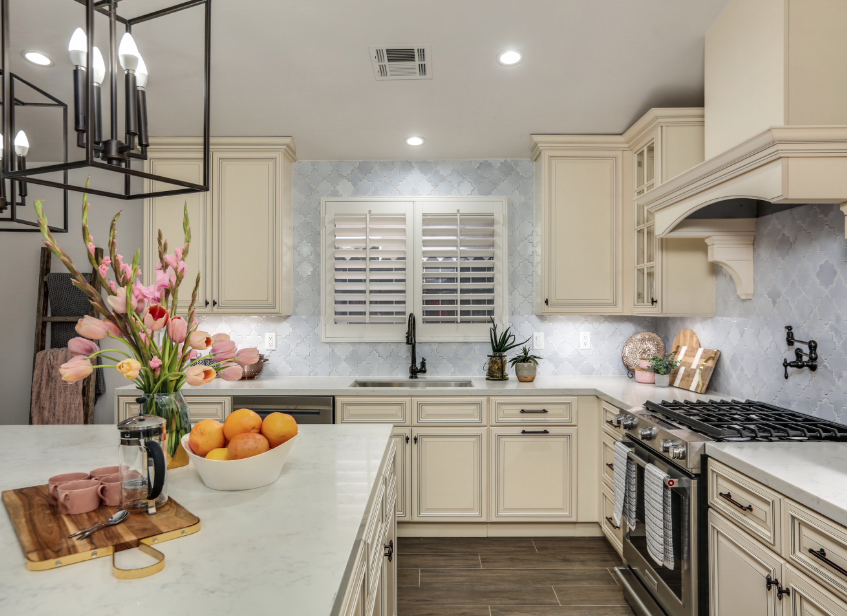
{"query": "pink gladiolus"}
[(233, 373), (223, 350), (171, 260), (119, 259), (177, 329), (162, 281), (112, 328), (91, 247), (181, 267), (178, 252), (113, 286), (127, 270), (103, 269), (157, 317), (200, 341), (199, 375), (91, 328), (220, 337), (155, 363), (147, 294), (82, 347), (107, 260), (143, 337), (76, 369), (193, 354), (129, 368), (247, 357)]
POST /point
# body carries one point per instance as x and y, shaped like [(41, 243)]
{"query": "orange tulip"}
[(129, 368), (199, 375), (200, 341)]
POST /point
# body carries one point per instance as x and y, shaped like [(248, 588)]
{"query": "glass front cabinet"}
[(644, 175)]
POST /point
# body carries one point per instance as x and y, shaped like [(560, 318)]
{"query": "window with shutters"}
[(443, 259)]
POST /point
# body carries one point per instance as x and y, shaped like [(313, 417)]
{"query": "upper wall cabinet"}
[(578, 224), (242, 229)]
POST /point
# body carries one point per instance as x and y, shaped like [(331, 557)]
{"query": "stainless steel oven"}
[(652, 588)]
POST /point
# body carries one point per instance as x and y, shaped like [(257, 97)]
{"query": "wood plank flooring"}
[(492, 576)]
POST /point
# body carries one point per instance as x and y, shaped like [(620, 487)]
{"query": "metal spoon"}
[(119, 517)]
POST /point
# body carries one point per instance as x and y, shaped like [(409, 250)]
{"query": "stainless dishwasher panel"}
[(305, 409)]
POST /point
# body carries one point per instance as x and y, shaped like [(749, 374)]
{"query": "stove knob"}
[(647, 434), (667, 443), (629, 422), (678, 452), (619, 418)]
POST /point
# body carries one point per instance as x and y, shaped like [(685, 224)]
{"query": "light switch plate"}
[(538, 341), (270, 341), (584, 341)]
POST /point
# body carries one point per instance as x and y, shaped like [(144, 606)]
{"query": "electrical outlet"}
[(270, 341), (584, 341), (538, 341)]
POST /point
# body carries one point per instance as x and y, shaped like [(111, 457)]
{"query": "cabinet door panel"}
[(811, 599), (403, 467), (208, 407), (534, 474), (449, 474)]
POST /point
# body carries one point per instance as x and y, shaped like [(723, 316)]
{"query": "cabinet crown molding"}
[(286, 144), (541, 143), (664, 116)]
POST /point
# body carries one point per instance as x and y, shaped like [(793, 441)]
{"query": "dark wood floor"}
[(508, 577)]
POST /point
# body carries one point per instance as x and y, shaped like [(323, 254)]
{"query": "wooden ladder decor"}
[(41, 321)]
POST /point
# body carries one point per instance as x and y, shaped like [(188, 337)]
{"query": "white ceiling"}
[(303, 69)]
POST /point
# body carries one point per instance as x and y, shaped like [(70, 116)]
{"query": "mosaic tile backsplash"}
[(300, 351), (800, 279)]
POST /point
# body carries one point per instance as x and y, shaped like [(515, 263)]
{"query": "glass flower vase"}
[(173, 408)]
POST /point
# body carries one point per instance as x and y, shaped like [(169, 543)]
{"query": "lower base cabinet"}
[(403, 463), (808, 598), (199, 407)]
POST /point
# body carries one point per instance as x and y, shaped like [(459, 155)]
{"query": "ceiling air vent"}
[(401, 62)]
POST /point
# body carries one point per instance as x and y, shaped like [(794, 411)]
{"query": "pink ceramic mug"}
[(110, 490), (54, 482), (99, 473), (78, 496)]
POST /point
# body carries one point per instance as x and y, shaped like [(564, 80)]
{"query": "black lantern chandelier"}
[(115, 151)]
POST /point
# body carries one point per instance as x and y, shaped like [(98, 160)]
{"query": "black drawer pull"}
[(534, 411), (821, 555), (535, 432), (728, 496), (612, 523), (612, 423), (611, 466)]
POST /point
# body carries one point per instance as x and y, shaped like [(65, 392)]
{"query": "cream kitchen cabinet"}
[(403, 465), (199, 407), (534, 474), (242, 229)]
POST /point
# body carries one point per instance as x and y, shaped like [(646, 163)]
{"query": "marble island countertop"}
[(621, 391), (281, 549)]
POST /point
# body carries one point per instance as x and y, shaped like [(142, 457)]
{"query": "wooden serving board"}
[(685, 338), (43, 532), (696, 369)]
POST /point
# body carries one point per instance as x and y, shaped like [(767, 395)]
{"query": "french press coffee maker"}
[(142, 462)]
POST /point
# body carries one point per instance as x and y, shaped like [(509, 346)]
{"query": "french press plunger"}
[(142, 462)]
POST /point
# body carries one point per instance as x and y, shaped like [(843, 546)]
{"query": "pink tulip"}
[(220, 337), (200, 341), (223, 350), (247, 357), (233, 373), (177, 329), (76, 369), (157, 317), (112, 328), (82, 347), (199, 375), (129, 368), (91, 328), (118, 302)]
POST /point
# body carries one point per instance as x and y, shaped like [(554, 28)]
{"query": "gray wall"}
[(799, 280)]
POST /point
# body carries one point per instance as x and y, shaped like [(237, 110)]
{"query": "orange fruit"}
[(205, 436), (241, 421), (247, 445), (278, 428), (222, 453)]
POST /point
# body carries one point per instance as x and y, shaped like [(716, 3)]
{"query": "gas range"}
[(678, 430)]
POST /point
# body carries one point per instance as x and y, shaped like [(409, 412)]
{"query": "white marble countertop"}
[(621, 391), (813, 474), (280, 549)]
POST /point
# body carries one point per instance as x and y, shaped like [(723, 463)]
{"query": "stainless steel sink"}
[(418, 383)]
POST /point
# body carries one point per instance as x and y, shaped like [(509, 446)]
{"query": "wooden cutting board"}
[(696, 369), (43, 532), (685, 338)]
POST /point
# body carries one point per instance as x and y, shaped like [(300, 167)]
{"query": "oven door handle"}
[(672, 483)]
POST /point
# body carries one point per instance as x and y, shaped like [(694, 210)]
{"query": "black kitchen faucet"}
[(414, 371)]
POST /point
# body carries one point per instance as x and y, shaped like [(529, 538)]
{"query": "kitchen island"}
[(287, 548)]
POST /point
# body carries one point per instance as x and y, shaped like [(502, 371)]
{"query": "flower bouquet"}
[(163, 348)]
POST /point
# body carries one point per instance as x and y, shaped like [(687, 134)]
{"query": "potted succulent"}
[(525, 365), (662, 366), (500, 345)]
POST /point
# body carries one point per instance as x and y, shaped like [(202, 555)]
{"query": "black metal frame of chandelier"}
[(28, 175)]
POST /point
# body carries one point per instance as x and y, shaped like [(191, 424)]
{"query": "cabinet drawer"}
[(613, 531), (436, 410), (607, 458), (750, 504), (208, 407), (534, 410), (816, 545), (610, 422), (374, 410), (810, 599)]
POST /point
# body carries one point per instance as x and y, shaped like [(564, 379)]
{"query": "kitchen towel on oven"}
[(658, 523), (626, 478)]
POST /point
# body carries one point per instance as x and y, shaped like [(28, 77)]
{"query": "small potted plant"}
[(500, 345), (525, 365), (662, 366)]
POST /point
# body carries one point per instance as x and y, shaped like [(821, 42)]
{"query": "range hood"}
[(775, 128)]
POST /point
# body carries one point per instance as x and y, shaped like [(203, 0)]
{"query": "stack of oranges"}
[(242, 435)]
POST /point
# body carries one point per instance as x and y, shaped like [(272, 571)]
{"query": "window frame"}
[(460, 332)]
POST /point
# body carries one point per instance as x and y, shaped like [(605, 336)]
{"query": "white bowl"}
[(245, 474)]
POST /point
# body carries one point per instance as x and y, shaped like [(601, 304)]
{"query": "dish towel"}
[(54, 402), (657, 516), (626, 478)]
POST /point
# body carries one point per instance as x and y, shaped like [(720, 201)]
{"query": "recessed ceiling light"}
[(36, 57), (510, 57), (415, 141)]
